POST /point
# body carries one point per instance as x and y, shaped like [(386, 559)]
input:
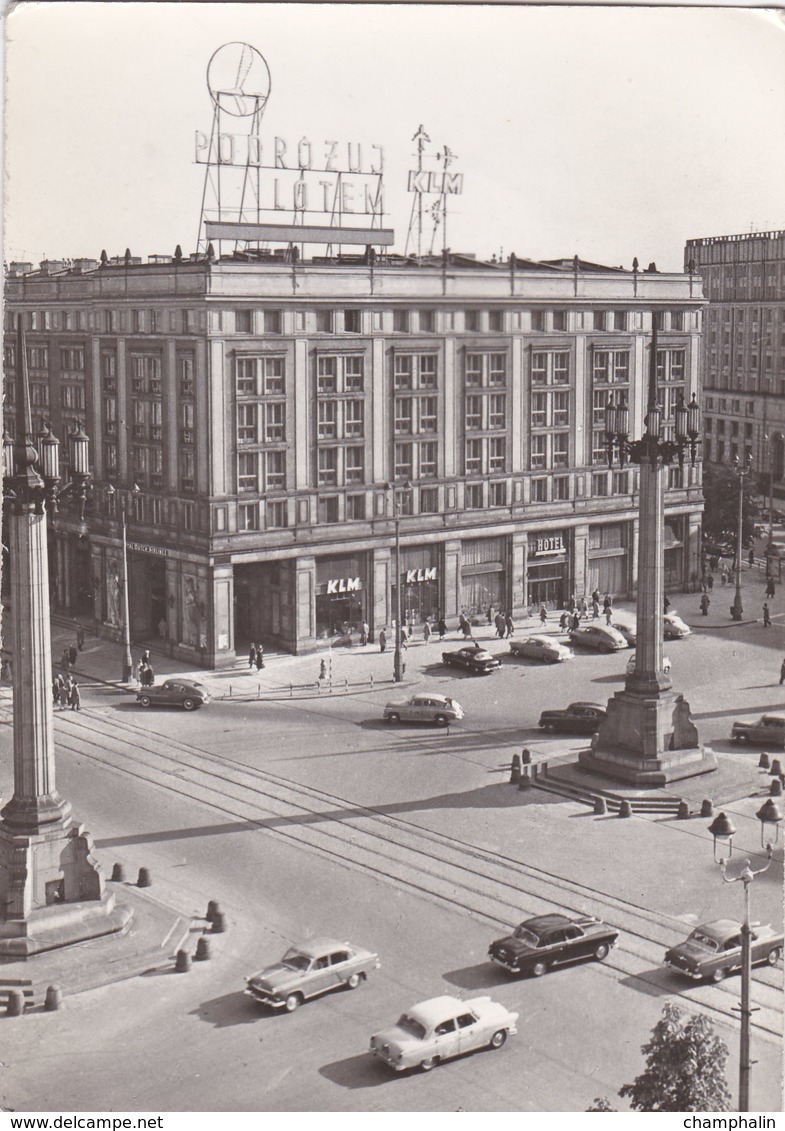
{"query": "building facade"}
[(744, 351), (262, 424)]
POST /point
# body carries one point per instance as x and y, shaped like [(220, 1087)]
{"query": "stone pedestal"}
[(648, 740)]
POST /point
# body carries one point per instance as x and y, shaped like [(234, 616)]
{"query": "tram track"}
[(495, 888)]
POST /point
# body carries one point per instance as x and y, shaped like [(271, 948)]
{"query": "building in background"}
[(275, 412), (744, 351)]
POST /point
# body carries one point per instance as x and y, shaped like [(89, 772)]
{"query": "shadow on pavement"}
[(357, 1072), (483, 976), (232, 1009), (656, 982)]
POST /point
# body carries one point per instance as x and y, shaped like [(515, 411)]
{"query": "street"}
[(312, 817)]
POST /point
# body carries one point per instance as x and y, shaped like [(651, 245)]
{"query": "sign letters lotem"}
[(344, 585), (413, 576)]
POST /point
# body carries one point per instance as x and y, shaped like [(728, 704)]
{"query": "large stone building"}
[(744, 350), (277, 415)]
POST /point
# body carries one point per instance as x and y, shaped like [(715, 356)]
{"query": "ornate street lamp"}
[(648, 737), (742, 471), (52, 890), (772, 816)]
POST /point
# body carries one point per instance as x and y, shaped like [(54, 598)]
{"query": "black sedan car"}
[(174, 693), (551, 940), (475, 660), (578, 718)]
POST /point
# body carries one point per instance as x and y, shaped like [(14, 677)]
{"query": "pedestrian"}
[(74, 698), (609, 614), (259, 657), (705, 602), (595, 596), (572, 604), (770, 588), (149, 675), (510, 627), (72, 655), (80, 638), (766, 616), (564, 620), (751, 558), (782, 673), (323, 669), (441, 627), (382, 641), (65, 661), (543, 614), (146, 657), (584, 608), (56, 691), (426, 632), (490, 614), (595, 609), (666, 602), (576, 621), (465, 626), (499, 622), (723, 577), (710, 581), (704, 582), (365, 633), (252, 656), (607, 602)]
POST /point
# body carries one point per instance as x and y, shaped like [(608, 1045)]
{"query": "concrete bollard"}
[(54, 998), (625, 809), (775, 790), (515, 769), (526, 757), (182, 962), (764, 762), (707, 808), (600, 806), (776, 768), (15, 1005), (143, 879), (525, 781), (118, 873), (212, 907), (219, 923), (683, 810), (202, 949)]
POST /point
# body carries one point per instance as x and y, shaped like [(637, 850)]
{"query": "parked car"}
[(629, 632), (426, 707), (541, 648), (666, 664), (578, 718), (599, 636), (174, 693), (550, 940), (441, 1028), (475, 660), (675, 628), (769, 730), (309, 970), (714, 950)]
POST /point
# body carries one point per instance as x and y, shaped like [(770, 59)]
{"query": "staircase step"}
[(588, 796)]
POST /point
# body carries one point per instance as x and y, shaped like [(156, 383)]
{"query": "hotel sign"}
[(552, 545)]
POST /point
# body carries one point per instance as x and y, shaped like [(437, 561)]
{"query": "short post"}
[(182, 962), (54, 998), (707, 808), (525, 781), (775, 789), (219, 923), (371, 681), (118, 873), (683, 810), (143, 880), (212, 907), (625, 809), (764, 762), (600, 806), (776, 768), (515, 769), (15, 1005), (202, 949), (526, 757)]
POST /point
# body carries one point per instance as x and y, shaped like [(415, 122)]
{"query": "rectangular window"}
[(110, 416), (474, 413), (561, 487), (328, 467), (246, 423), (353, 373), (186, 420), (561, 408), (352, 321), (274, 471), (186, 469), (355, 464), (274, 422), (401, 321), (677, 320), (497, 411), (497, 369), (354, 412), (473, 457), (327, 419), (427, 369), (247, 516), (473, 499), (621, 483), (355, 508), (72, 358), (539, 490), (474, 369), (277, 513), (497, 493), (538, 320), (272, 321), (73, 396), (247, 471), (539, 410), (429, 500), (243, 323), (599, 484), (471, 321), (402, 371), (539, 446), (560, 319), (324, 321), (328, 508), (427, 321), (246, 376), (403, 461), (403, 416), (428, 452), (185, 373), (428, 414), (272, 375), (496, 321), (497, 459), (327, 374), (38, 357)]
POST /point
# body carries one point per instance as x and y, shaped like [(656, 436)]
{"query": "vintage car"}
[(714, 950), (441, 1028), (599, 636), (425, 707), (579, 718), (768, 731), (174, 693), (476, 660), (666, 664), (674, 627), (309, 970), (544, 648), (550, 940), (628, 631)]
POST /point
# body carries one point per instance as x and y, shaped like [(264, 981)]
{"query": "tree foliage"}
[(601, 1104), (685, 1066), (721, 509)]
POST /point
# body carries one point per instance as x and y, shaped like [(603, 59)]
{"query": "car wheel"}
[(353, 981), (539, 968), (601, 951), (393, 718), (189, 704), (774, 955), (719, 975), (429, 1063), (498, 1038), (606, 649), (144, 700), (441, 720), (293, 1001)]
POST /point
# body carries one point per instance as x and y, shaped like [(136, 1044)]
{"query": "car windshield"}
[(527, 936), (296, 960), (409, 1025), (704, 940)]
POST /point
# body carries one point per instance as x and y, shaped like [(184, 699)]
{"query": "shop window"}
[(247, 517), (277, 513), (561, 487), (497, 493), (429, 500), (599, 484), (328, 508), (539, 490), (473, 499), (355, 507)]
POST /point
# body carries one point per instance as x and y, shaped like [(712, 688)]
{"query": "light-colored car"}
[(666, 664), (441, 1028), (543, 648), (425, 707), (174, 693), (714, 950), (599, 636), (628, 631), (768, 731), (674, 626), (309, 970)]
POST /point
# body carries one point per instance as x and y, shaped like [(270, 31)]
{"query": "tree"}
[(601, 1104), (721, 511), (685, 1066)]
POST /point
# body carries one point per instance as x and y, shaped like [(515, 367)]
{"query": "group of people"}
[(144, 670), (256, 657), (65, 692), (502, 621)]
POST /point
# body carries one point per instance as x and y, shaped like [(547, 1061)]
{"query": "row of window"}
[(106, 321)]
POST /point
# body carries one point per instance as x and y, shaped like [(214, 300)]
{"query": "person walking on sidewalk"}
[(544, 614), (766, 616), (426, 632), (365, 633), (441, 626), (770, 588), (80, 638), (666, 604), (609, 614), (510, 627), (705, 602), (751, 558), (252, 656), (465, 627), (782, 673), (259, 657), (499, 622), (74, 698), (57, 685), (382, 641)]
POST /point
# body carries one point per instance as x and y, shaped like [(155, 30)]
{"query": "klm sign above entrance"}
[(344, 585), (415, 575)]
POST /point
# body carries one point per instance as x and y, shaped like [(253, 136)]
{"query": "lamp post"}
[(397, 490), (52, 890), (128, 663), (742, 471), (648, 738), (768, 815)]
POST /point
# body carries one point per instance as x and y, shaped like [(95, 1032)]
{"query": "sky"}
[(607, 132)]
